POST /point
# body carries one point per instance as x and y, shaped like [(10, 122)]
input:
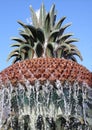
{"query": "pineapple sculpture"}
[(45, 88)]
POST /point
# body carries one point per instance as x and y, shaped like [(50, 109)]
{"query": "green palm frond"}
[(39, 49), (47, 26), (59, 23), (70, 40), (63, 37), (28, 48), (32, 30), (50, 50), (27, 29), (16, 59), (15, 44), (20, 40), (52, 16), (77, 53), (42, 16), (74, 51), (40, 35), (53, 35), (63, 28), (61, 49), (21, 23), (34, 18), (14, 53), (25, 35), (45, 37)]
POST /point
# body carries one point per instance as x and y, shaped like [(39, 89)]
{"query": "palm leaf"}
[(40, 35), (12, 54), (39, 49), (50, 50), (34, 17), (77, 53), (24, 35), (24, 47), (15, 44), (42, 15), (53, 35), (64, 47), (62, 38), (29, 34), (30, 53), (32, 30), (44, 37), (15, 53), (70, 40), (16, 59), (28, 30), (20, 40), (21, 23), (59, 23), (52, 16), (59, 53), (63, 28), (47, 25), (29, 39), (72, 57), (27, 47), (61, 49)]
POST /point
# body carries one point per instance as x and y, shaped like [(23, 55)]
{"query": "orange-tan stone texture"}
[(44, 69)]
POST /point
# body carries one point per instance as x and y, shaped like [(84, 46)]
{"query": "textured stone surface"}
[(45, 69)]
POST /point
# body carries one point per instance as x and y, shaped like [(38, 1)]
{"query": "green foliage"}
[(45, 37)]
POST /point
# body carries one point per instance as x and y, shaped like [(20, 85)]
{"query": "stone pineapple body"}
[(45, 89)]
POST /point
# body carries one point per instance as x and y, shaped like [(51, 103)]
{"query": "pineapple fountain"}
[(45, 88)]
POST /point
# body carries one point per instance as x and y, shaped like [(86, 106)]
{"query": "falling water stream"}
[(59, 106)]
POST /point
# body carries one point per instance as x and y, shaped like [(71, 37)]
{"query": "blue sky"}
[(79, 12)]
